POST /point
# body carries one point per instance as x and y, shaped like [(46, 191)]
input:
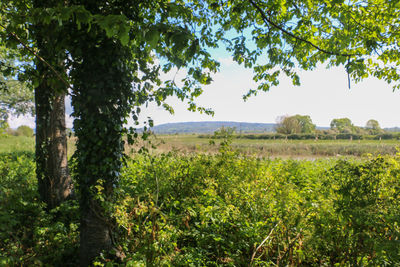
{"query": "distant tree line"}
[(22, 130), (301, 127), (303, 124)]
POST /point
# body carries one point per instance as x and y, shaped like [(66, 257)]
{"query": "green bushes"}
[(29, 236), (359, 226), (24, 130), (219, 210), (235, 211)]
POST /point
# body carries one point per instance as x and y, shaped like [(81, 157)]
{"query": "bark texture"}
[(51, 140), (95, 235), (51, 147)]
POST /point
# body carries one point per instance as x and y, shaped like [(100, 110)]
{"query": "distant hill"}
[(212, 126), (393, 129)]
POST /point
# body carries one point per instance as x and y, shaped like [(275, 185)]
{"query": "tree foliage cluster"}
[(16, 95), (302, 124), (345, 126), (221, 209), (22, 130), (295, 124)]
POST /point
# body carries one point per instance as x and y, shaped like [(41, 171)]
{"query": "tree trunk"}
[(51, 147), (95, 235), (51, 140), (102, 88)]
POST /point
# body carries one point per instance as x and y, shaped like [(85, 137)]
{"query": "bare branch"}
[(262, 243)]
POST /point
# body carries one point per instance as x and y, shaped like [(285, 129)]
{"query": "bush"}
[(218, 210), (30, 236), (24, 130)]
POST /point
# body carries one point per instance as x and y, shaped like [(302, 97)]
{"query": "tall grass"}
[(280, 148)]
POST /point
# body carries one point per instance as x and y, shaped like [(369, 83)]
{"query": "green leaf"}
[(152, 37)]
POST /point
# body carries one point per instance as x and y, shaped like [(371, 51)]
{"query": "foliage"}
[(287, 125), (218, 210), (290, 35), (373, 127), (16, 97), (29, 235), (343, 125), (24, 130), (3, 126), (226, 134), (224, 209), (295, 124)]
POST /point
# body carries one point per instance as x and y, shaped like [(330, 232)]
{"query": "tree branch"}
[(59, 76), (262, 243), (270, 22)]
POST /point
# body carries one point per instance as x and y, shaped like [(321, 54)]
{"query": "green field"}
[(279, 148), (299, 149), (11, 144)]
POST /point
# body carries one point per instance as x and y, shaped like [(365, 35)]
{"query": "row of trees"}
[(110, 55), (22, 130), (298, 124)]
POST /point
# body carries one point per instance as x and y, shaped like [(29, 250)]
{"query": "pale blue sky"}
[(323, 94)]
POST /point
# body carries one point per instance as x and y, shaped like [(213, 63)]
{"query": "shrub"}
[(30, 236), (24, 130)]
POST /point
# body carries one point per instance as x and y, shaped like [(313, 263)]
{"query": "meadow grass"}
[(11, 144), (299, 149), (279, 148)]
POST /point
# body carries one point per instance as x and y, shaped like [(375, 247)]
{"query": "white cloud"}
[(27, 120)]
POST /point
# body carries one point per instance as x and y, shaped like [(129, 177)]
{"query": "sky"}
[(323, 95)]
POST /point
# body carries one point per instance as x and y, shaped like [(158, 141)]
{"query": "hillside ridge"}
[(212, 126)]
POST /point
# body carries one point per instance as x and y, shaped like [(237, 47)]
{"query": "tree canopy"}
[(16, 96), (373, 126), (343, 125), (295, 124)]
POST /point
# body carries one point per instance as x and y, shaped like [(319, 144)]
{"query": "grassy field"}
[(278, 148), (299, 149), (10, 143)]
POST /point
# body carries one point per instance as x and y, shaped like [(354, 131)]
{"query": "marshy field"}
[(192, 143), (295, 149)]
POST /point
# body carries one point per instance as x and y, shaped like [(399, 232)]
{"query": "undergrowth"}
[(218, 210)]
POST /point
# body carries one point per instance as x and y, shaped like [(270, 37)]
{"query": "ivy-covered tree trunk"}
[(100, 97), (51, 140)]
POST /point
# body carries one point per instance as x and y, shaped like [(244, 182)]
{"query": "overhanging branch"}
[(273, 24), (59, 76)]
